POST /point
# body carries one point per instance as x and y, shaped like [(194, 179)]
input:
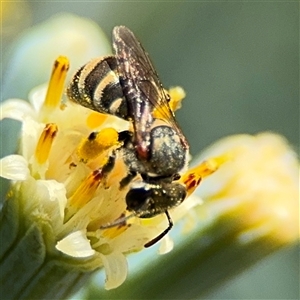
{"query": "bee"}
[(127, 86)]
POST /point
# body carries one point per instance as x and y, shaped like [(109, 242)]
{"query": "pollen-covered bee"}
[(126, 85)]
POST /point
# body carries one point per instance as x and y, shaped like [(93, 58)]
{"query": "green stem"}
[(30, 266)]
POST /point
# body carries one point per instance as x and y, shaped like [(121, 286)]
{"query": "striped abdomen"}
[(96, 86)]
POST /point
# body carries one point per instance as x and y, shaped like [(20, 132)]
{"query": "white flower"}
[(57, 174), (57, 179), (258, 187)]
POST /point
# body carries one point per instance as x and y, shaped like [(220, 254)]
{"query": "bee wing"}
[(143, 89)]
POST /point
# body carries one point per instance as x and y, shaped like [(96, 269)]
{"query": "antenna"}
[(118, 222), (160, 236), (122, 220)]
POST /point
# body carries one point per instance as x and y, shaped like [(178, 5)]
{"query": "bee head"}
[(148, 200)]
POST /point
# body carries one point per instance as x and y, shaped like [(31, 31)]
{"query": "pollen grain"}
[(97, 143)]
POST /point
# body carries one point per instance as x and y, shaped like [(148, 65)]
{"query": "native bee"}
[(126, 85)]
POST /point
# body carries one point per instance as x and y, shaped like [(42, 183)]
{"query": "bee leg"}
[(160, 236), (127, 179), (108, 166), (125, 136)]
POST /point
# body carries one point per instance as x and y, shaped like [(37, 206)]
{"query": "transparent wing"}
[(142, 87)]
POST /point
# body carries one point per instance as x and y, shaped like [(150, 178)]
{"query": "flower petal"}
[(133, 238), (186, 207), (16, 109), (56, 192), (166, 245), (76, 244), (115, 265), (31, 131), (14, 167), (37, 96)]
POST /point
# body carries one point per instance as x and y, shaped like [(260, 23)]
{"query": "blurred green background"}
[(239, 65)]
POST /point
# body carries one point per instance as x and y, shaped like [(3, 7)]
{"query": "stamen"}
[(56, 83), (95, 119), (114, 231), (85, 191), (177, 94), (93, 146), (193, 177), (121, 221), (45, 143)]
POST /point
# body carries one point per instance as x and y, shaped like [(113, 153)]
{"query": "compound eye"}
[(175, 194), (181, 190), (136, 198)]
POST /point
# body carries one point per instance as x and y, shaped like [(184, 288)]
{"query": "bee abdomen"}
[(96, 86)]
